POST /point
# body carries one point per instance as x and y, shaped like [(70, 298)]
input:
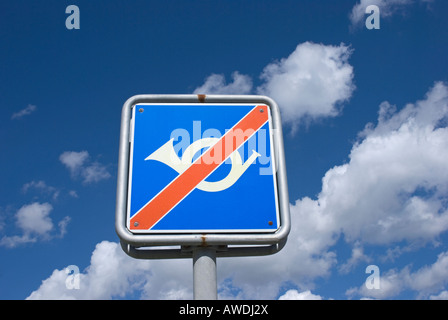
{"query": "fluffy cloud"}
[(393, 189), (42, 187), (295, 295), (395, 185), (79, 166), (102, 279), (441, 296), (34, 218), (312, 82), (112, 274), (216, 84), (35, 224), (426, 280), (74, 160)]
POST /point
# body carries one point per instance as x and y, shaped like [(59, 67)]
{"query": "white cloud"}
[(393, 189), (63, 226), (34, 218), (395, 185), (79, 165), (431, 278), (357, 257), (441, 296), (426, 280), (24, 112), (108, 275), (295, 295), (74, 160), (216, 84), (35, 224), (95, 172), (14, 241), (112, 274), (42, 187), (387, 8), (312, 82)]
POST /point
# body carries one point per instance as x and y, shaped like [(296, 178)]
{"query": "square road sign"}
[(193, 165)]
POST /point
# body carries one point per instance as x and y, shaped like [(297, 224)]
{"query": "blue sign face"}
[(204, 168)]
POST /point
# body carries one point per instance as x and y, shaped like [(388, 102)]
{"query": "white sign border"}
[(194, 239)]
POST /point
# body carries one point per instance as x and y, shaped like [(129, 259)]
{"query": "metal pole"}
[(204, 273)]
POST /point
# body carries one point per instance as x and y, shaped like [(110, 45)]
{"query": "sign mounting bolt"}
[(136, 224)]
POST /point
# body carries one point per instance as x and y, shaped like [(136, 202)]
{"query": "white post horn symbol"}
[(167, 155)]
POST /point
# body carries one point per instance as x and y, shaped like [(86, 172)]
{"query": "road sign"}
[(195, 169)]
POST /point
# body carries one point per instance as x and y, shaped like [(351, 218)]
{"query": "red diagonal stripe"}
[(183, 184)]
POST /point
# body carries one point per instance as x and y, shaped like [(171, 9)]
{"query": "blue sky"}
[(364, 119)]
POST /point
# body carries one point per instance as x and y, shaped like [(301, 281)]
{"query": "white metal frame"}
[(136, 245)]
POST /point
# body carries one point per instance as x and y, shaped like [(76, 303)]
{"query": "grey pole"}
[(204, 273)]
